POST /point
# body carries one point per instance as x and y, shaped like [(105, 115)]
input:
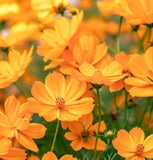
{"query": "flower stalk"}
[(55, 135)]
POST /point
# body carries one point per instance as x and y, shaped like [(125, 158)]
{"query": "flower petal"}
[(26, 141)]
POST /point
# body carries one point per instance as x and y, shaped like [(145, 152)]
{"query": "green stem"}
[(151, 109), (146, 108), (20, 89), (141, 41), (126, 113), (149, 33), (99, 106), (118, 35), (112, 50), (54, 140)]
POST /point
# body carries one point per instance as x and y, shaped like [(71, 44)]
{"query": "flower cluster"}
[(77, 83)]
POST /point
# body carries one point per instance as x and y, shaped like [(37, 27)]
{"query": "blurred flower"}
[(59, 98), (19, 33), (46, 10), (83, 133), (15, 67), (141, 67), (136, 12), (132, 145), (7, 10), (85, 4), (52, 156), (55, 41), (15, 123)]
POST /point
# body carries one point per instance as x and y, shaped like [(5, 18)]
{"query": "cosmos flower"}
[(83, 133), (15, 67), (132, 145), (60, 98), (136, 12), (15, 123)]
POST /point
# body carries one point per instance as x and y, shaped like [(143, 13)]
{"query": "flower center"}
[(85, 134), (60, 102), (139, 149)]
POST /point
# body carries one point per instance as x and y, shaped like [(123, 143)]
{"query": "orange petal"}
[(67, 157), (55, 84), (123, 142), (102, 126), (11, 108), (147, 144), (138, 67), (81, 107), (137, 135), (35, 130), (5, 145), (70, 136), (15, 154), (26, 141), (49, 115), (41, 94), (36, 107), (49, 156), (141, 91), (65, 115), (76, 144), (74, 90), (136, 82)]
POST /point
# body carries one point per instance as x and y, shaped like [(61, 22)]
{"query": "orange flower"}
[(15, 67), (55, 41), (104, 75), (59, 98), (86, 48), (52, 156), (82, 133), (132, 145), (15, 123), (141, 67), (136, 12)]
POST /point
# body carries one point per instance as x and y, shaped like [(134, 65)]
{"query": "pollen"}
[(139, 149), (60, 102)]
